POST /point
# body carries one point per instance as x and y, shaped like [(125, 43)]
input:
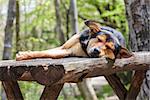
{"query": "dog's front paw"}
[(23, 55)]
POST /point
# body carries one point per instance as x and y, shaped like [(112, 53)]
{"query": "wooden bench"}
[(53, 73)]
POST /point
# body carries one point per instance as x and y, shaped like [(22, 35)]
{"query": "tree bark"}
[(74, 16), (11, 87), (58, 21), (86, 89), (9, 30), (17, 26), (8, 36), (138, 16)]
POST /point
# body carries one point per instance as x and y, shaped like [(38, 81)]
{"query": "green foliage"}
[(31, 90), (107, 12), (105, 92), (71, 98), (38, 26)]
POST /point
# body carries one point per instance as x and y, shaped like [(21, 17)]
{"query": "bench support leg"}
[(51, 92), (136, 83), (12, 90), (121, 91), (117, 86)]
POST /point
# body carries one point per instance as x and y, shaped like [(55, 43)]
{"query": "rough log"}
[(136, 83), (116, 84), (49, 71), (51, 92)]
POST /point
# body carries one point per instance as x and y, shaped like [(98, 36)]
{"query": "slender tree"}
[(9, 30), (74, 16), (8, 36), (17, 26), (58, 21), (60, 33), (85, 87), (138, 16), (11, 86)]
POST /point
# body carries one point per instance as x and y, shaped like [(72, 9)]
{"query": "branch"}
[(99, 21), (98, 9)]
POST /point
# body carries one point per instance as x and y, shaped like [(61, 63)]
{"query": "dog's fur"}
[(97, 41)]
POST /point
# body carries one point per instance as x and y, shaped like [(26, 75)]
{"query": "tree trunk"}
[(60, 33), (58, 21), (9, 30), (8, 36), (74, 16), (11, 87), (138, 16), (17, 26), (85, 87)]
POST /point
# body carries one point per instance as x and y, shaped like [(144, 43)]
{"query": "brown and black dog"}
[(96, 41)]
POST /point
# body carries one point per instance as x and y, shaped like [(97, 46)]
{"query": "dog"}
[(95, 41)]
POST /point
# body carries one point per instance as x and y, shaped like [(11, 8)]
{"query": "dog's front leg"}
[(72, 47), (52, 53)]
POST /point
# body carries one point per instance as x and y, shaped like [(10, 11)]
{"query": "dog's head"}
[(102, 43)]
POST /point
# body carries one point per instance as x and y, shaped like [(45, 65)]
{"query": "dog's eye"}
[(108, 47), (109, 40), (99, 40)]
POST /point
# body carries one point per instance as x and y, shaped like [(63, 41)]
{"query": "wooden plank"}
[(75, 68), (117, 86), (51, 92)]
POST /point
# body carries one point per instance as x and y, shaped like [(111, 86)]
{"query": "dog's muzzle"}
[(94, 53)]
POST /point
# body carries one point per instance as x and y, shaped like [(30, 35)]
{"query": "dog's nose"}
[(95, 52)]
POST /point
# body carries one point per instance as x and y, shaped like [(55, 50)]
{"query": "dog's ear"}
[(124, 53), (93, 25)]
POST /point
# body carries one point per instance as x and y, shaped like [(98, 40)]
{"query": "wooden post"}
[(11, 85), (12, 90), (51, 92), (117, 86)]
